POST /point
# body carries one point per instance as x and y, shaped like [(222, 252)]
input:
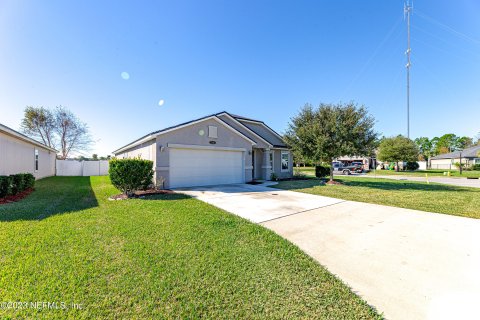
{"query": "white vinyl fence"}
[(443, 166), (82, 168), (422, 165)]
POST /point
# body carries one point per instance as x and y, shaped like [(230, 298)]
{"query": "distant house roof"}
[(472, 152), (20, 136)]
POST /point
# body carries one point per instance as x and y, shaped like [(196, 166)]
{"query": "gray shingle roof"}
[(272, 137), (472, 152), (237, 117)]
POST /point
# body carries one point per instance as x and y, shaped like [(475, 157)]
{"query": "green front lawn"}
[(430, 173), (431, 197), (166, 257)]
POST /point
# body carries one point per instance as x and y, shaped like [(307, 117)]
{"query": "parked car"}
[(340, 167), (357, 163), (347, 170), (337, 165)]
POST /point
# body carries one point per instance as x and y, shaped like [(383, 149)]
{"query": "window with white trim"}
[(36, 160), (212, 132), (285, 161)]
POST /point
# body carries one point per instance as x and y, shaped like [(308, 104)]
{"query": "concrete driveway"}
[(258, 203), (408, 264)]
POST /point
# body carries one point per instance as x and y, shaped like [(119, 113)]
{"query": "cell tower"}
[(407, 10)]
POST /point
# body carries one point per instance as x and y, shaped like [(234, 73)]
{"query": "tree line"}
[(319, 135), (440, 145)]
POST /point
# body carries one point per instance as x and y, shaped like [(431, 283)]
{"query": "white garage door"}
[(196, 167)]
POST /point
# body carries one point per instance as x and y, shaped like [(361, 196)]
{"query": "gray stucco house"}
[(21, 154), (222, 148)]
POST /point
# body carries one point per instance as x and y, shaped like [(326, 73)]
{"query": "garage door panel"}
[(193, 167)]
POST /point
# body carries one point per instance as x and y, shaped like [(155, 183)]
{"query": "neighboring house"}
[(222, 148), (21, 154), (470, 156)]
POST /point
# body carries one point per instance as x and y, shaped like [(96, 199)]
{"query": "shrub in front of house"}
[(130, 175), (322, 171), (476, 167), (412, 165), (29, 180), (5, 186), (18, 183)]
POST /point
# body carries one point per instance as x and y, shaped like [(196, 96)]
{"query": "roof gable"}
[(265, 132), (227, 117), (260, 129), (154, 134)]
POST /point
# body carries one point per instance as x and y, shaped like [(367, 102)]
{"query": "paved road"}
[(408, 264), (461, 182)]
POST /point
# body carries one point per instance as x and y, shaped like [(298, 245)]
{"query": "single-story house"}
[(21, 154), (221, 148), (470, 156)]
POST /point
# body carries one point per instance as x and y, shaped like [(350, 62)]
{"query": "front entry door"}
[(253, 164)]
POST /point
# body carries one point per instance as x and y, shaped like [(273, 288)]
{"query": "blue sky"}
[(261, 59)]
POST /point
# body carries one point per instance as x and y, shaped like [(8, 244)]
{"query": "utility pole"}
[(407, 10)]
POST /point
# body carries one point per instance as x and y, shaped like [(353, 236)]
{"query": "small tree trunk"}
[(398, 168)]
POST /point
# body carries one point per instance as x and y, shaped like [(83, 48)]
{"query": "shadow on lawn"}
[(381, 184), (403, 185), (172, 196), (54, 195)]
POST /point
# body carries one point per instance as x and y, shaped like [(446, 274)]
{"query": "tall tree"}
[(464, 142), (427, 148), (39, 123), (72, 133), (397, 149), (446, 143), (58, 128), (424, 147), (331, 131)]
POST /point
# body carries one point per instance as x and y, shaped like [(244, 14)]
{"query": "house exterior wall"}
[(189, 135), (145, 151), (18, 156), (449, 164), (277, 164), (258, 153)]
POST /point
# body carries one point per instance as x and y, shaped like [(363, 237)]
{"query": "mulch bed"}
[(17, 197), (334, 182), (295, 179), (141, 194)]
